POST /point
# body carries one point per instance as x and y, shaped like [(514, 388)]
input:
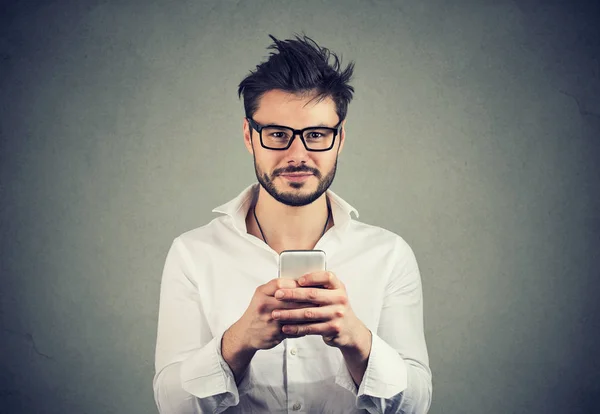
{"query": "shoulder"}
[(378, 236), (201, 238), (384, 246)]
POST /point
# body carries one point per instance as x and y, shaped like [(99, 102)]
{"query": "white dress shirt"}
[(209, 278)]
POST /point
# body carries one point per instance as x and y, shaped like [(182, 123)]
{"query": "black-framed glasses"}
[(279, 138)]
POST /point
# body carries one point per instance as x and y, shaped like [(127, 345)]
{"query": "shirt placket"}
[(295, 397)]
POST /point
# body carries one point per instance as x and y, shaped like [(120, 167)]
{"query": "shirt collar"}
[(238, 207)]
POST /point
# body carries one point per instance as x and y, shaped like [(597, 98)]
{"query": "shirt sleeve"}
[(191, 374), (398, 378)]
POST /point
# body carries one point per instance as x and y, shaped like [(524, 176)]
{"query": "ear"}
[(342, 136), (247, 131)]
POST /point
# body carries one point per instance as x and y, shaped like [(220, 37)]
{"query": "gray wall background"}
[(474, 134)]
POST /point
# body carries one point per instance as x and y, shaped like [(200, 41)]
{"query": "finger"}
[(273, 285), (309, 314), (309, 294), (326, 329), (272, 304), (326, 279)]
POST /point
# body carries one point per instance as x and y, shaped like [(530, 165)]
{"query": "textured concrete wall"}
[(474, 134)]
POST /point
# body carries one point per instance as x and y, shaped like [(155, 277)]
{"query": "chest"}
[(227, 284)]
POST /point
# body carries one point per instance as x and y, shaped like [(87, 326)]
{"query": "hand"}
[(332, 317), (257, 329)]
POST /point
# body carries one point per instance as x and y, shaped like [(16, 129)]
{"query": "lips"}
[(296, 177)]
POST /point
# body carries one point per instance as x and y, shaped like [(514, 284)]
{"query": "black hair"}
[(299, 66)]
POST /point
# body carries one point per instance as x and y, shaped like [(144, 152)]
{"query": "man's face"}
[(273, 168)]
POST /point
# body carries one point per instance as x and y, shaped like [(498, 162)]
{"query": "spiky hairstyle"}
[(299, 66)]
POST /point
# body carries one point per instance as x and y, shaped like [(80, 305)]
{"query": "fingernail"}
[(279, 294), (302, 280), (276, 315)]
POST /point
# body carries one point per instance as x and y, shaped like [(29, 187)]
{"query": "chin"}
[(298, 186)]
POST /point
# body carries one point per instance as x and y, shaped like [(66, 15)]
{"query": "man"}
[(234, 338)]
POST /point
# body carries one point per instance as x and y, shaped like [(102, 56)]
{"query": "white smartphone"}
[(294, 264)]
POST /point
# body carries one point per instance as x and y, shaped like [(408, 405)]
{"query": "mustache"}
[(295, 170)]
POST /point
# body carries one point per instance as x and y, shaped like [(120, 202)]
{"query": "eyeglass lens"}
[(315, 138)]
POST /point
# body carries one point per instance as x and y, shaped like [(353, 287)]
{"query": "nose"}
[(297, 150)]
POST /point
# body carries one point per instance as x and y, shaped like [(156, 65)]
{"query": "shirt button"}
[(296, 406), (293, 351)]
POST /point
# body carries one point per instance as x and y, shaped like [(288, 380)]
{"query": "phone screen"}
[(294, 264)]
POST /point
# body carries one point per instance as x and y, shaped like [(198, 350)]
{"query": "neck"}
[(285, 227)]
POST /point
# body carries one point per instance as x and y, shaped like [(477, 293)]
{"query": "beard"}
[(294, 199)]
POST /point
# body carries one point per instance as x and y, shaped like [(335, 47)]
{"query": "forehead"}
[(298, 111)]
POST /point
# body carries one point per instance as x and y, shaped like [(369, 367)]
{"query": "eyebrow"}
[(323, 125)]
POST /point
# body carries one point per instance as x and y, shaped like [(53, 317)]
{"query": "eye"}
[(278, 135)]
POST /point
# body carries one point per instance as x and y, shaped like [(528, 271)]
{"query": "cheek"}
[(267, 163), (325, 164)]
